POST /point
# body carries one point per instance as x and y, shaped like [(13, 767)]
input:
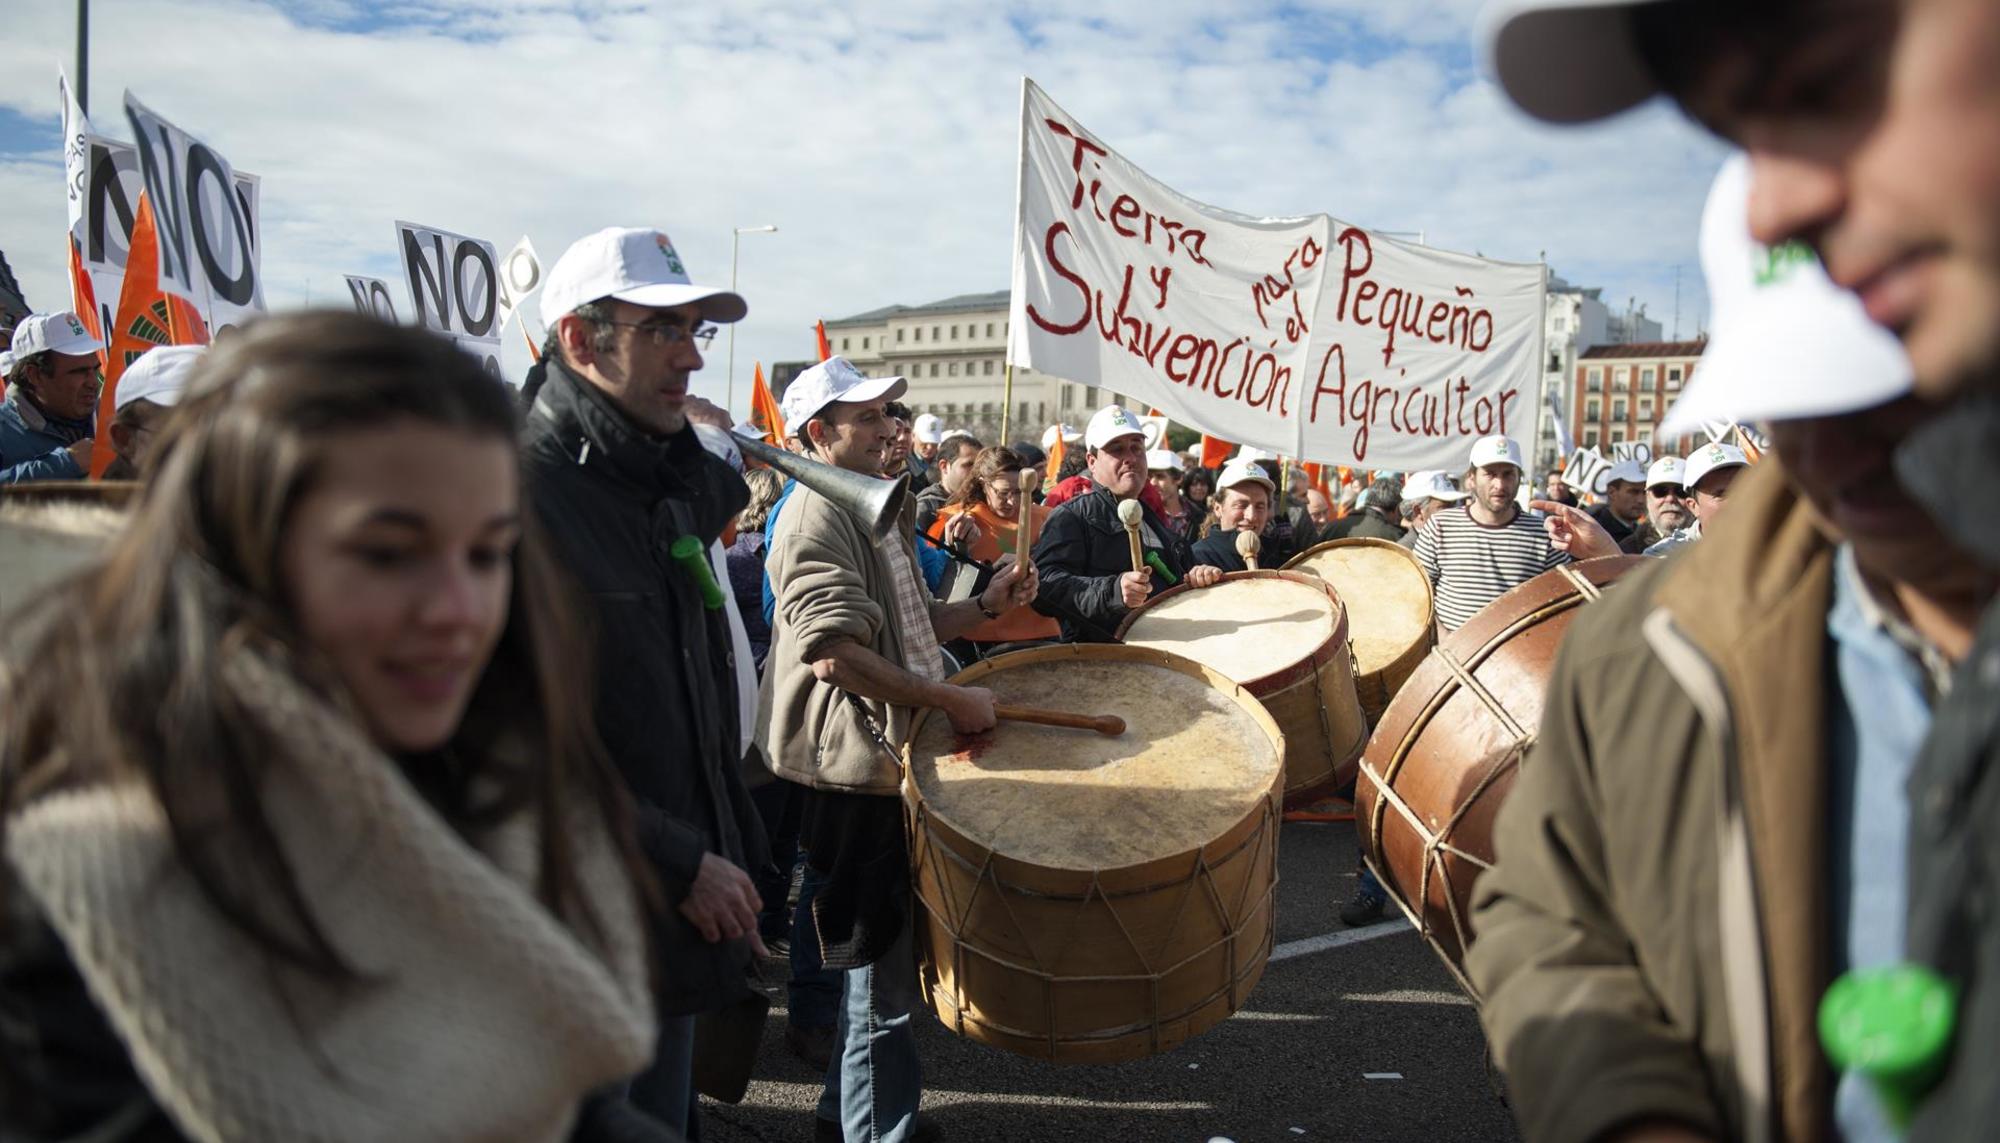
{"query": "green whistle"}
[(687, 553), (1159, 567), (1894, 1026)]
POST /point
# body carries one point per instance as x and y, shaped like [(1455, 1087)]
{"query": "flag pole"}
[(1006, 403), (82, 58)]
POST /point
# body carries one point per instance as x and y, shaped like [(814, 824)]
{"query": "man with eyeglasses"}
[(1666, 506), (1704, 492), (617, 476), (46, 423)]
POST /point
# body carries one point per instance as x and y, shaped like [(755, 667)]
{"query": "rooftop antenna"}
[(1677, 301)]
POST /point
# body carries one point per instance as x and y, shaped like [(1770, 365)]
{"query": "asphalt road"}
[(1369, 1039)]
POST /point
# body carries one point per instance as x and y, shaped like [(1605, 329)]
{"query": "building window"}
[(1555, 362), (1561, 323), (1673, 376), (987, 408), (954, 333), (1590, 437), (1646, 379), (934, 333), (1645, 408), (1618, 409), (1593, 410), (843, 345), (1618, 434), (951, 370), (1596, 380), (1620, 380), (933, 368), (919, 332), (989, 369), (989, 329)]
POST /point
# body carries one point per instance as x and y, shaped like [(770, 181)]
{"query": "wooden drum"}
[(1388, 600), (1446, 751), (1283, 635), (1083, 898)]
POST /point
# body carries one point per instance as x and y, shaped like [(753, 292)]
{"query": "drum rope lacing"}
[(1436, 844)]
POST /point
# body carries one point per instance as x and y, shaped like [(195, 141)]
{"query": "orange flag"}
[(1316, 476), (1057, 452), (764, 413), (819, 330), (1215, 450), (146, 317), (83, 296)]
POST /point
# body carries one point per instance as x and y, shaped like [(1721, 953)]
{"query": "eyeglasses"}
[(1668, 491), (664, 335)]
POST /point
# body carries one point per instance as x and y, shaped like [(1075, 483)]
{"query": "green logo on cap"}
[(1776, 263), (673, 259)]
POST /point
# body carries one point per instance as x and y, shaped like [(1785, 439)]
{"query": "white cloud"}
[(880, 138)]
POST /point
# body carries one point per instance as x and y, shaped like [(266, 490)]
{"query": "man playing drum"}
[(1244, 505), (1790, 768), (853, 649), (1084, 555)]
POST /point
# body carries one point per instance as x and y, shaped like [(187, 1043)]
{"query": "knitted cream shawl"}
[(483, 1017)]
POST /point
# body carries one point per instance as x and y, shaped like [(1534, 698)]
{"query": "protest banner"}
[(371, 296), (1304, 336), (1565, 444), (1640, 451), (207, 223), (520, 275), (454, 287), (1587, 470)]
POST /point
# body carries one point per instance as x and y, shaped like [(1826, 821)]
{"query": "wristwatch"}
[(983, 609)]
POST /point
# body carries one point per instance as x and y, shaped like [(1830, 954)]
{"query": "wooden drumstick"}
[(1024, 520), (1247, 546), (1129, 514), (1109, 725)]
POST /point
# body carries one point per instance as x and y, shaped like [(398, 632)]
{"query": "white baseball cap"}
[(1788, 343), (1110, 423), (1069, 435), (60, 331), (957, 435), (6, 362), (158, 375), (928, 428), (633, 265), (1431, 485), (835, 379), (1667, 470), (1710, 457), (1241, 471), (1628, 470), (1566, 61), (1163, 460), (1496, 450)]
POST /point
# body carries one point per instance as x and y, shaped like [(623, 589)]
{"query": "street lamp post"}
[(735, 245)]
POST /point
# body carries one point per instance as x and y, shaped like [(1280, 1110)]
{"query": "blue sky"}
[(879, 137)]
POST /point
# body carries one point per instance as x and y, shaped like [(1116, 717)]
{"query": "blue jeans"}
[(1369, 886), (874, 1082), (813, 993), (665, 1090)]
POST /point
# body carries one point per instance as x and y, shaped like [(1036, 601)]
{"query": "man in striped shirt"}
[(1477, 551)]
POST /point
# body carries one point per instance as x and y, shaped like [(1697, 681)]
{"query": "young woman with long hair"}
[(306, 834), (985, 516)]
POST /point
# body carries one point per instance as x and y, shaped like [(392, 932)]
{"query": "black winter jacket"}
[(613, 499), (1218, 549), (1082, 552)]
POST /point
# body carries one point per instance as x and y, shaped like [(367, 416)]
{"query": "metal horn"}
[(869, 499)]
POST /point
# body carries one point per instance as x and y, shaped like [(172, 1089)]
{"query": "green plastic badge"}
[(687, 552), (1893, 1025)]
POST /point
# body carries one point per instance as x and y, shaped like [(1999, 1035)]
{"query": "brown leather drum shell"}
[(1092, 966), (1375, 688), (1312, 698), (1446, 751)]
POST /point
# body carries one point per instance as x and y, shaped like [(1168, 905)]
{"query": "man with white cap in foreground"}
[(1666, 505), (855, 650), (1083, 554), (1741, 766), (618, 478), (1707, 478), (1479, 551), (148, 388), (45, 423)]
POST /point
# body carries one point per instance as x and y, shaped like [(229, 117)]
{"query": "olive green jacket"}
[(1652, 942)]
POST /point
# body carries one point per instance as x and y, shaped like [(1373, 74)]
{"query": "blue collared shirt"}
[(1886, 675)]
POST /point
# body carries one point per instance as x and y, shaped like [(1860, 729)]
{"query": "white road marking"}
[(1381, 1075), (1308, 945)]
